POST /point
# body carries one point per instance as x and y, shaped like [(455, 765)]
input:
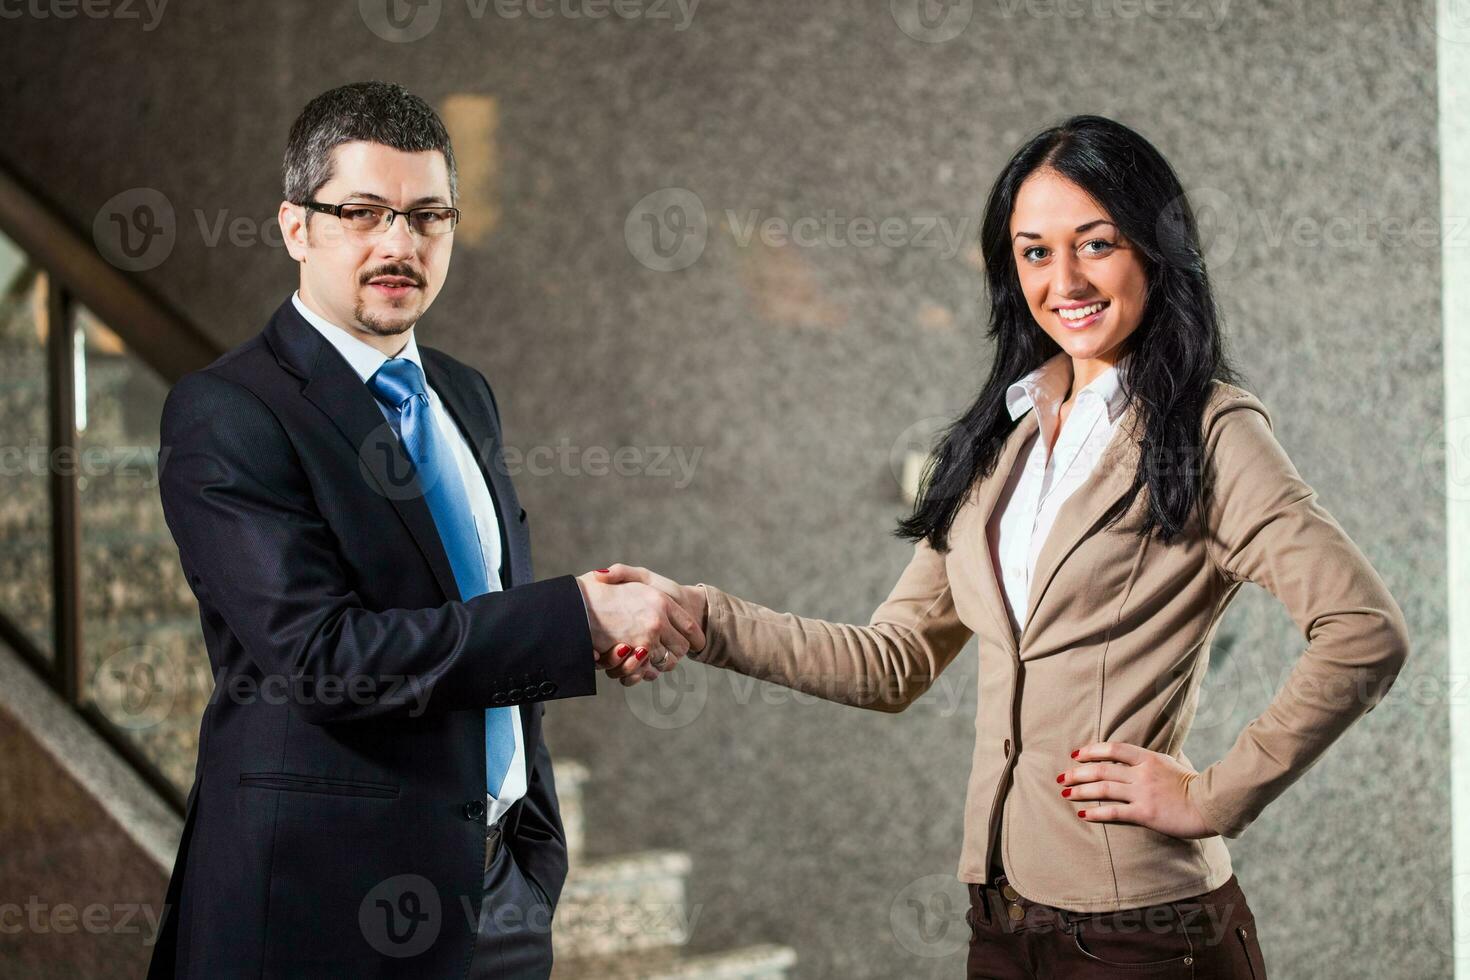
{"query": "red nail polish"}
[(1076, 752), (1061, 777), (1067, 791), (1082, 814), (603, 570), (642, 653)]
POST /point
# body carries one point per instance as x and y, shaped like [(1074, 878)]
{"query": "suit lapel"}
[(335, 388)]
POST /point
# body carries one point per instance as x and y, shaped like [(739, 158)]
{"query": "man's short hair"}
[(378, 112)]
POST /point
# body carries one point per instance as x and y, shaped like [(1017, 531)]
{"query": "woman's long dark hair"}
[(1175, 353)]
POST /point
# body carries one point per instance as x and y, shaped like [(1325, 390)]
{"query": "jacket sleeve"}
[(913, 636), (1265, 525), (258, 552)]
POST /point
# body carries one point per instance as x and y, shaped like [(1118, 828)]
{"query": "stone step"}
[(617, 905), (751, 963), (571, 777)]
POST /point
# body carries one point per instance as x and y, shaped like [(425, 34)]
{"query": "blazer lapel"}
[(1082, 511), (987, 494), (335, 388), (1077, 518)]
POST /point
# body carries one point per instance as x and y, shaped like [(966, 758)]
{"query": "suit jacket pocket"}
[(298, 783)]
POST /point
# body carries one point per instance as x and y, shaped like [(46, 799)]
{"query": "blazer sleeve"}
[(258, 552), (913, 636), (1265, 525)]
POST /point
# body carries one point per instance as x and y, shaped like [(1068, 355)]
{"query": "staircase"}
[(626, 918)]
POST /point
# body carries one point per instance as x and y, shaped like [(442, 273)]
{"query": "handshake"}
[(641, 623)]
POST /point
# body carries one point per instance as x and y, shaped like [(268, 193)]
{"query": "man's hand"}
[(637, 630), (691, 598)]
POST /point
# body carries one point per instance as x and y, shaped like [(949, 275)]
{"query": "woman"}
[(1089, 518)]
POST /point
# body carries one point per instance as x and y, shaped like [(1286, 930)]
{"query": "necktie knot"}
[(396, 381)]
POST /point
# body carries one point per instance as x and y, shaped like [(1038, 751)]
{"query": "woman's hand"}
[(1137, 786)]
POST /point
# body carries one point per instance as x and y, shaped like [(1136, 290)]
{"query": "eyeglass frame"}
[(336, 211)]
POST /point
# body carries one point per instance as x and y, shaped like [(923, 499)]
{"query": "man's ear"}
[(292, 219)]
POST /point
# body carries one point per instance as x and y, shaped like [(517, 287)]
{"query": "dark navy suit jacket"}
[(336, 826)]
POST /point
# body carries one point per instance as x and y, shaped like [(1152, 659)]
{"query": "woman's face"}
[(1084, 282)]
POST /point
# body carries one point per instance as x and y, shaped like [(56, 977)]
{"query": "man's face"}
[(375, 284)]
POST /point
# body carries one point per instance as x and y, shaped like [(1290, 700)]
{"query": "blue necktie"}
[(399, 384)]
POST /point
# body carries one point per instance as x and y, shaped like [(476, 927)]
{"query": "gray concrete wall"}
[(795, 370)]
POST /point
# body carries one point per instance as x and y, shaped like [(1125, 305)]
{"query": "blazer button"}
[(548, 688), (474, 810), (1008, 748)]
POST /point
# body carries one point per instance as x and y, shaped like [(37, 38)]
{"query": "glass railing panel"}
[(25, 457), (144, 664)]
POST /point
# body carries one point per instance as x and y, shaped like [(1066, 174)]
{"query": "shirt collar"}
[(364, 358), (1051, 382)]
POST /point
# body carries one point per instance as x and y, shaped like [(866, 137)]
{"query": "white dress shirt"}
[(1038, 486), (365, 360)]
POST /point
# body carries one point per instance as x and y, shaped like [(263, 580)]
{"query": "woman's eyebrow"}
[(1078, 230)]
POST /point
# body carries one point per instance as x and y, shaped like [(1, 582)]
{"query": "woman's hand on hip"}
[(1123, 783)]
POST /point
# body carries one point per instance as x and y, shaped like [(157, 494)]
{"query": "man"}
[(373, 796)]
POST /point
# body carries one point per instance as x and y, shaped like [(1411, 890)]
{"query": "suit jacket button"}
[(548, 688), (1008, 747), (474, 810)]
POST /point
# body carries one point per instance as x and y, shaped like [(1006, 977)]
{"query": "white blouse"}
[(1043, 480)]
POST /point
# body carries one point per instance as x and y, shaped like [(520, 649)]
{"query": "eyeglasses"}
[(372, 220)]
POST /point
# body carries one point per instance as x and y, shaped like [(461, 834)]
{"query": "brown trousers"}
[(1206, 937)]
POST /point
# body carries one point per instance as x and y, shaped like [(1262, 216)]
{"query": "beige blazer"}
[(1114, 647)]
